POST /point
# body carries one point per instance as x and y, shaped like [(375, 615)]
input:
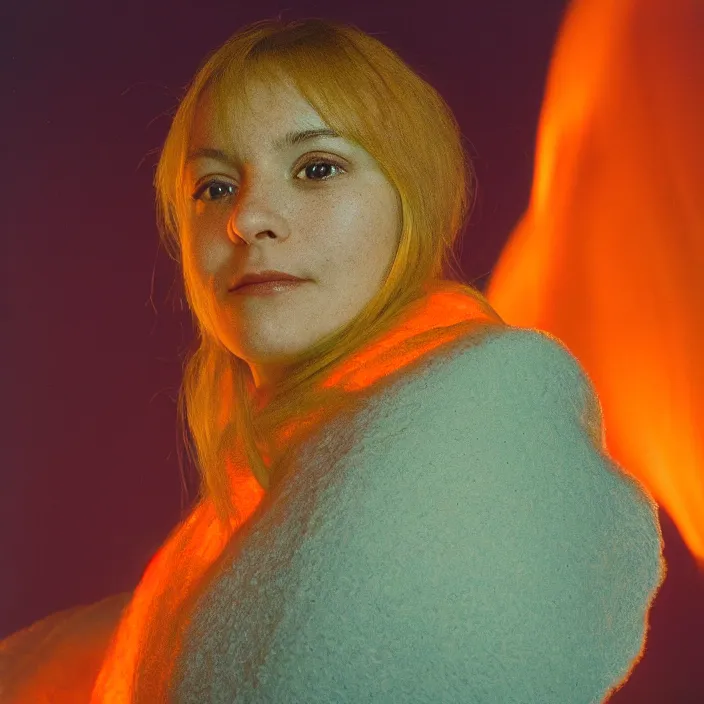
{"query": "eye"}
[(320, 170), (216, 190)]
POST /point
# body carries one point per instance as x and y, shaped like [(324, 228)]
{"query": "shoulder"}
[(508, 357), (512, 414), (509, 379)]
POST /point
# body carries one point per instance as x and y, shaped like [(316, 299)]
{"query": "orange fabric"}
[(609, 256), (172, 576), (57, 658)]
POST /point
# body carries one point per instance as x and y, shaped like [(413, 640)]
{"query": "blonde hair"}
[(367, 94)]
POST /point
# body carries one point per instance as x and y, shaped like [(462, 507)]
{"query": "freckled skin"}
[(338, 226)]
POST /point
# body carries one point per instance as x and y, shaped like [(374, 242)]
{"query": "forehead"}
[(256, 115)]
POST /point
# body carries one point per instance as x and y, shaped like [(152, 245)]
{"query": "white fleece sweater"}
[(463, 538)]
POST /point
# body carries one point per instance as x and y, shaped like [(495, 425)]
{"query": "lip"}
[(268, 288)]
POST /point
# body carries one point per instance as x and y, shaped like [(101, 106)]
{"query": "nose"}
[(258, 213)]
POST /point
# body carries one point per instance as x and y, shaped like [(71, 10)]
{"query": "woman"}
[(403, 498)]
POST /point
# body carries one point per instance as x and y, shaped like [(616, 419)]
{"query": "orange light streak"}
[(609, 256)]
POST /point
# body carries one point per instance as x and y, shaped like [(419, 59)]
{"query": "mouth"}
[(264, 276)]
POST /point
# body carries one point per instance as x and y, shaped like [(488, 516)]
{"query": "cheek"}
[(366, 231), (209, 252)]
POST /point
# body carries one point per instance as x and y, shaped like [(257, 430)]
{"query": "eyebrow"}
[(293, 138), (290, 139)]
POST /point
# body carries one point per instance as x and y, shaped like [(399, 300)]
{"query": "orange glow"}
[(445, 314), (153, 622), (609, 256)]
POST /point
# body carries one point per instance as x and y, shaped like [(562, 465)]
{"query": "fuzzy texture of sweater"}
[(463, 538)]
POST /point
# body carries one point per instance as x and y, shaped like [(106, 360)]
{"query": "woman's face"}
[(268, 193)]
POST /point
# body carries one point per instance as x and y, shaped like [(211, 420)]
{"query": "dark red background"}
[(93, 331)]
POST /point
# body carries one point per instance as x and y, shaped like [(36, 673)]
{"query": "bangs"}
[(329, 72)]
